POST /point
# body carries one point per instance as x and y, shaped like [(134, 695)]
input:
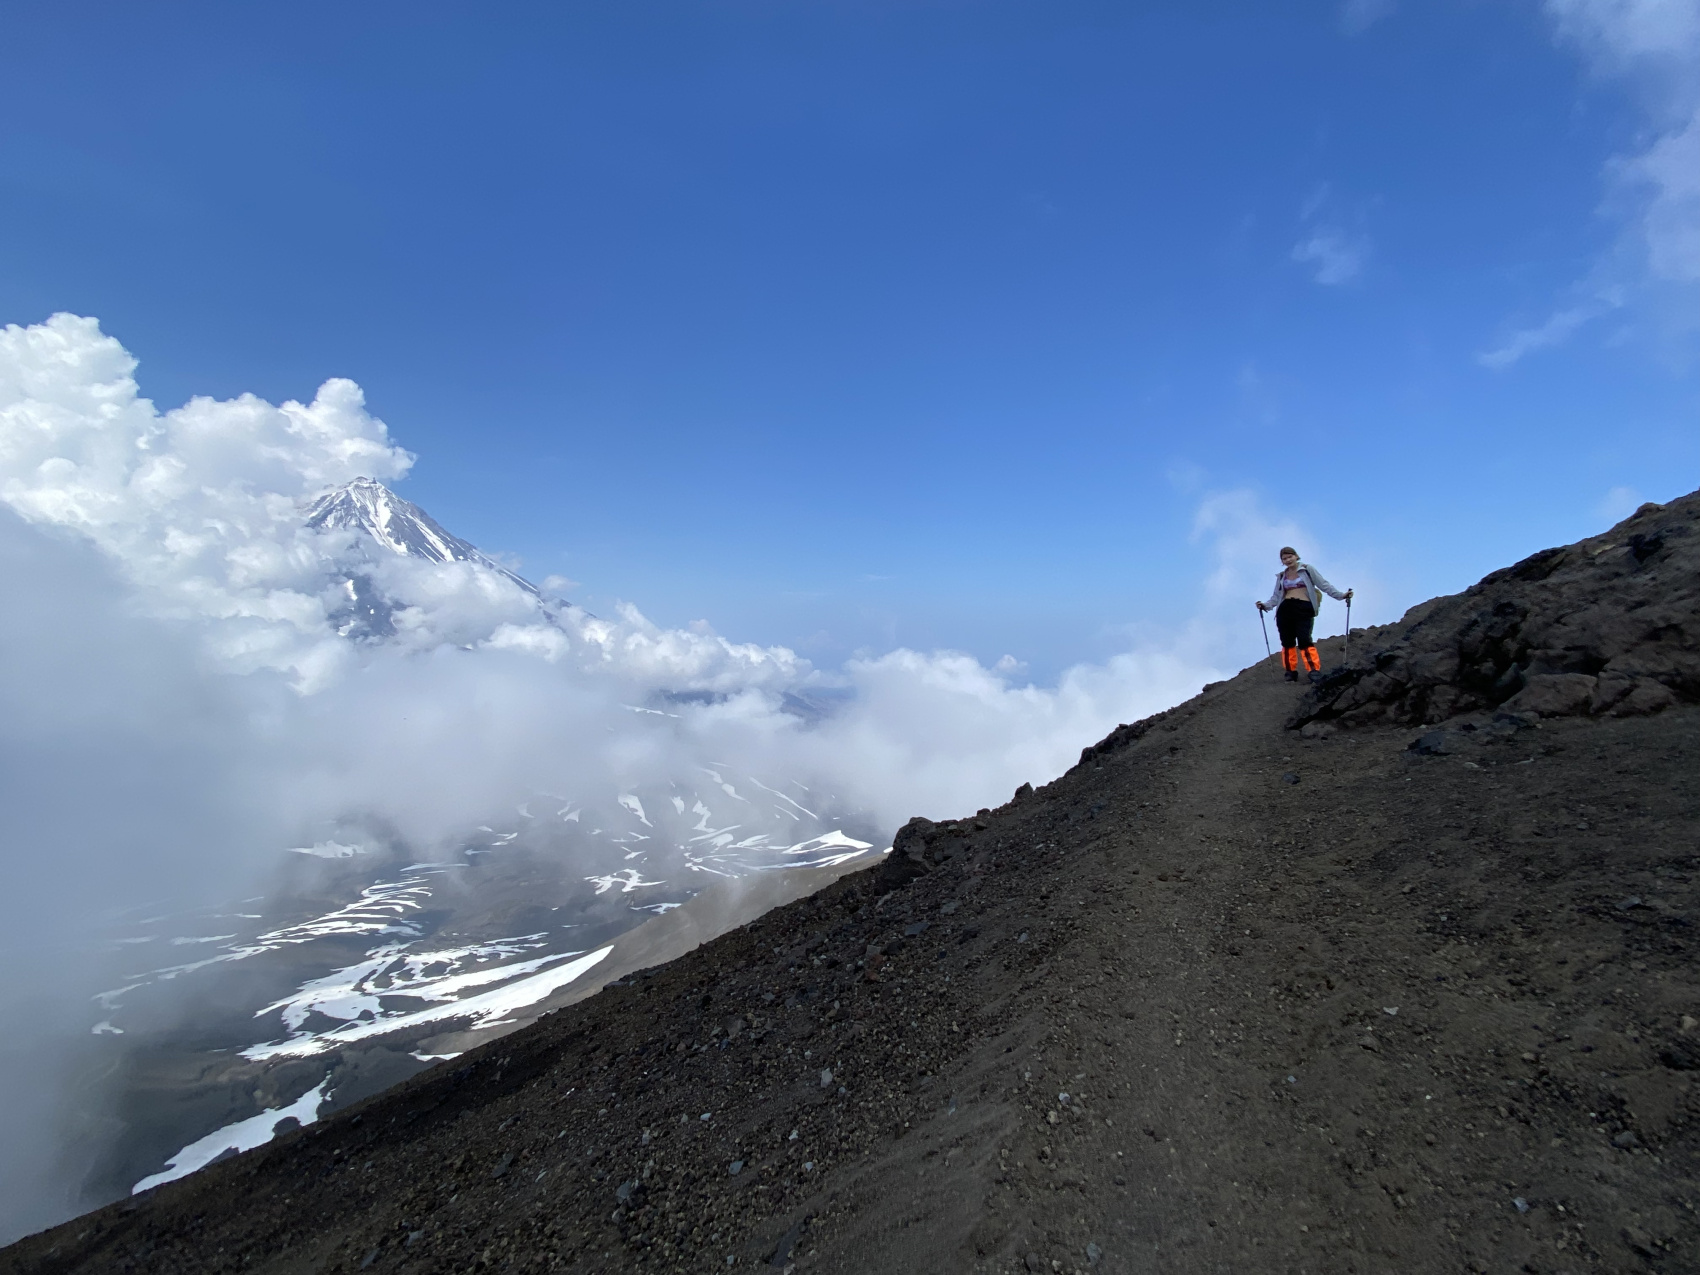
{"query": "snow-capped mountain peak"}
[(400, 526)]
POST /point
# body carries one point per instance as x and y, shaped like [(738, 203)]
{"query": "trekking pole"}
[(1264, 621), (1346, 646)]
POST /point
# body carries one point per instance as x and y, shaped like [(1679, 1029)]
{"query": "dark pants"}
[(1293, 621)]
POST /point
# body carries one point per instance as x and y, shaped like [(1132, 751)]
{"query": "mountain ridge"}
[(1250, 987), (399, 525)]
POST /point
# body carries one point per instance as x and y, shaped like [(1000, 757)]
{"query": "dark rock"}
[(782, 1251), (1554, 694), (1582, 630), (503, 1165), (1433, 744), (1643, 547), (1681, 1055), (1289, 778), (907, 859)]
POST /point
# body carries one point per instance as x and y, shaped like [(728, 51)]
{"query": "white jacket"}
[(1314, 586)]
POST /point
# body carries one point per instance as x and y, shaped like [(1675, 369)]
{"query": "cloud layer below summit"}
[(195, 514)]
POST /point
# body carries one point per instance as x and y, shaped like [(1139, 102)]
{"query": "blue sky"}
[(852, 325)]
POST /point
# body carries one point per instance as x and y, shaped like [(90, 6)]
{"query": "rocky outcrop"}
[(1609, 626)]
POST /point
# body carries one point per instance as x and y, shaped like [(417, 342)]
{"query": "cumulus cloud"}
[(178, 706), (1652, 47)]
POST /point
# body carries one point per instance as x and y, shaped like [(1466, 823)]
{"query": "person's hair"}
[(1290, 549)]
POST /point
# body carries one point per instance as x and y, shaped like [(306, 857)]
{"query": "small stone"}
[(1093, 1253), (623, 1192), (735, 1168), (1289, 778), (1631, 903), (1370, 1043), (1625, 1140), (1032, 1262), (1520, 1204), (503, 1165), (825, 1078), (1689, 1023)]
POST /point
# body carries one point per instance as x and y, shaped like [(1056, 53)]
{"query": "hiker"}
[(1295, 601)]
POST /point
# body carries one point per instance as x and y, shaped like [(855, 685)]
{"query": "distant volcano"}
[(400, 526)]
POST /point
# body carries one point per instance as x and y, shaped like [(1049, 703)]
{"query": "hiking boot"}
[(1291, 677)]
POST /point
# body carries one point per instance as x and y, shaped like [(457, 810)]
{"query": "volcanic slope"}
[(1228, 996)]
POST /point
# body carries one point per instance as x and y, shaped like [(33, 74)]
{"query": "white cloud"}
[(1554, 330), (1358, 16), (1653, 47), (1338, 257), (1618, 34), (1667, 175), (1617, 504), (1336, 253)]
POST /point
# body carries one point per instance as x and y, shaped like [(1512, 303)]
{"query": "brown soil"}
[(1319, 1004)]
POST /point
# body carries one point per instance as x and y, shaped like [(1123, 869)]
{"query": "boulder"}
[(1554, 695), (1607, 626)]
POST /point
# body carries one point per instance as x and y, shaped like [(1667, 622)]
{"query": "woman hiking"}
[(1295, 601)]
